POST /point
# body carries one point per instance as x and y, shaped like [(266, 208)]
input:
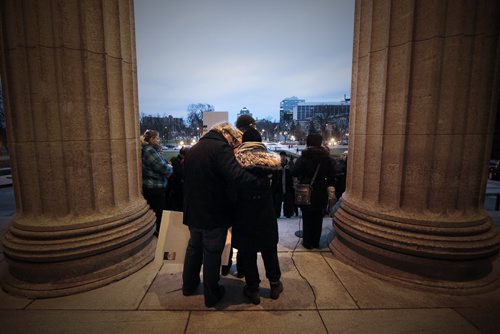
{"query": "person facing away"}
[(256, 227), (210, 167), (175, 193), (155, 173), (283, 193), (312, 215), (243, 123)]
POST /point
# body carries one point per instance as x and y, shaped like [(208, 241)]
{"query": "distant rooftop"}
[(324, 103)]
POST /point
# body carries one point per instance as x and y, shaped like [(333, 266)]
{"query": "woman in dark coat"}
[(256, 227), (312, 215)]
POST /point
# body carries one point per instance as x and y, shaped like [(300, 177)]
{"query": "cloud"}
[(234, 53)]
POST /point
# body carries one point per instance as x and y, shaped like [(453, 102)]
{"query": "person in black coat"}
[(312, 215), (256, 227), (210, 167), (283, 193), (175, 191)]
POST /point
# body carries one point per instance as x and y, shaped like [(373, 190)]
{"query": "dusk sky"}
[(234, 54)]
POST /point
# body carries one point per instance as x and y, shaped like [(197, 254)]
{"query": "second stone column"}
[(424, 92)]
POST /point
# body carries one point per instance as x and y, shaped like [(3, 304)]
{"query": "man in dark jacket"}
[(210, 167), (175, 192), (283, 188), (313, 157)]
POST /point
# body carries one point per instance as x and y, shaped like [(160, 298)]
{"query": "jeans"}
[(271, 263), (204, 247)]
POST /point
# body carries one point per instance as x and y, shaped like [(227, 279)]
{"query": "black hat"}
[(244, 122), (251, 134), (314, 139)]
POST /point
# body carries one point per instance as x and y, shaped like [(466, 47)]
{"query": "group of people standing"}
[(231, 179)]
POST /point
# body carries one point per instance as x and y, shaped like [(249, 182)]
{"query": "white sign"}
[(174, 237), (210, 118)]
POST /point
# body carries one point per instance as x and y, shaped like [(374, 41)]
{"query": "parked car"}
[(170, 147)]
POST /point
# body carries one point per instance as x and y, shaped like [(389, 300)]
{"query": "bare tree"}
[(195, 116), (267, 128), (322, 120)]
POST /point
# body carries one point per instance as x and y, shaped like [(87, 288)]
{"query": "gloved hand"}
[(331, 194)]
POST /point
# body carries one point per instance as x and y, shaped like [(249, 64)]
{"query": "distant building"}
[(286, 108), (244, 111), (338, 111)]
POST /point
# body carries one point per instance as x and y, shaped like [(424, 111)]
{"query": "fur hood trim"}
[(255, 154)]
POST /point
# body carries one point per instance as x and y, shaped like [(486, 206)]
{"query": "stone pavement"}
[(322, 295)]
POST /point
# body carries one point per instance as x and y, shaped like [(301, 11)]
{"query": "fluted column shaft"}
[(424, 96), (69, 75)]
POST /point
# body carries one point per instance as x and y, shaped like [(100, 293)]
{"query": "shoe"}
[(276, 289), (240, 274), (225, 270), (252, 294), (212, 303), (190, 291), (306, 246)]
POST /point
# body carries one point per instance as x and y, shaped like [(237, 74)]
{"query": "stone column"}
[(69, 76), (424, 93)]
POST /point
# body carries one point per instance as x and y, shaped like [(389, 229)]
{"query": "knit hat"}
[(314, 139), (251, 134), (244, 122)]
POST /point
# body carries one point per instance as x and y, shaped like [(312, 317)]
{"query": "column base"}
[(385, 272), (423, 261), (69, 262), (89, 282)]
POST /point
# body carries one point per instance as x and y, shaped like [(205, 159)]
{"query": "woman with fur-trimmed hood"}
[(256, 227)]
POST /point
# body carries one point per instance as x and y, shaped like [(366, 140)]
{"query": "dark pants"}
[(271, 263), (313, 225), (285, 200), (156, 200), (204, 247)]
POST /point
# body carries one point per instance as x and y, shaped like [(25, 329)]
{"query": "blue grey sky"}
[(234, 53)]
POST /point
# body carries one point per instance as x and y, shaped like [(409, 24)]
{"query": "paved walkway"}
[(322, 295)]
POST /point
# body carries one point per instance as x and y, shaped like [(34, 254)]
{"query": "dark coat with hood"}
[(304, 170), (256, 226), (209, 168)]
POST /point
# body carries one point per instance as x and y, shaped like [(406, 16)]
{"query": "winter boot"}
[(276, 289), (252, 293)]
